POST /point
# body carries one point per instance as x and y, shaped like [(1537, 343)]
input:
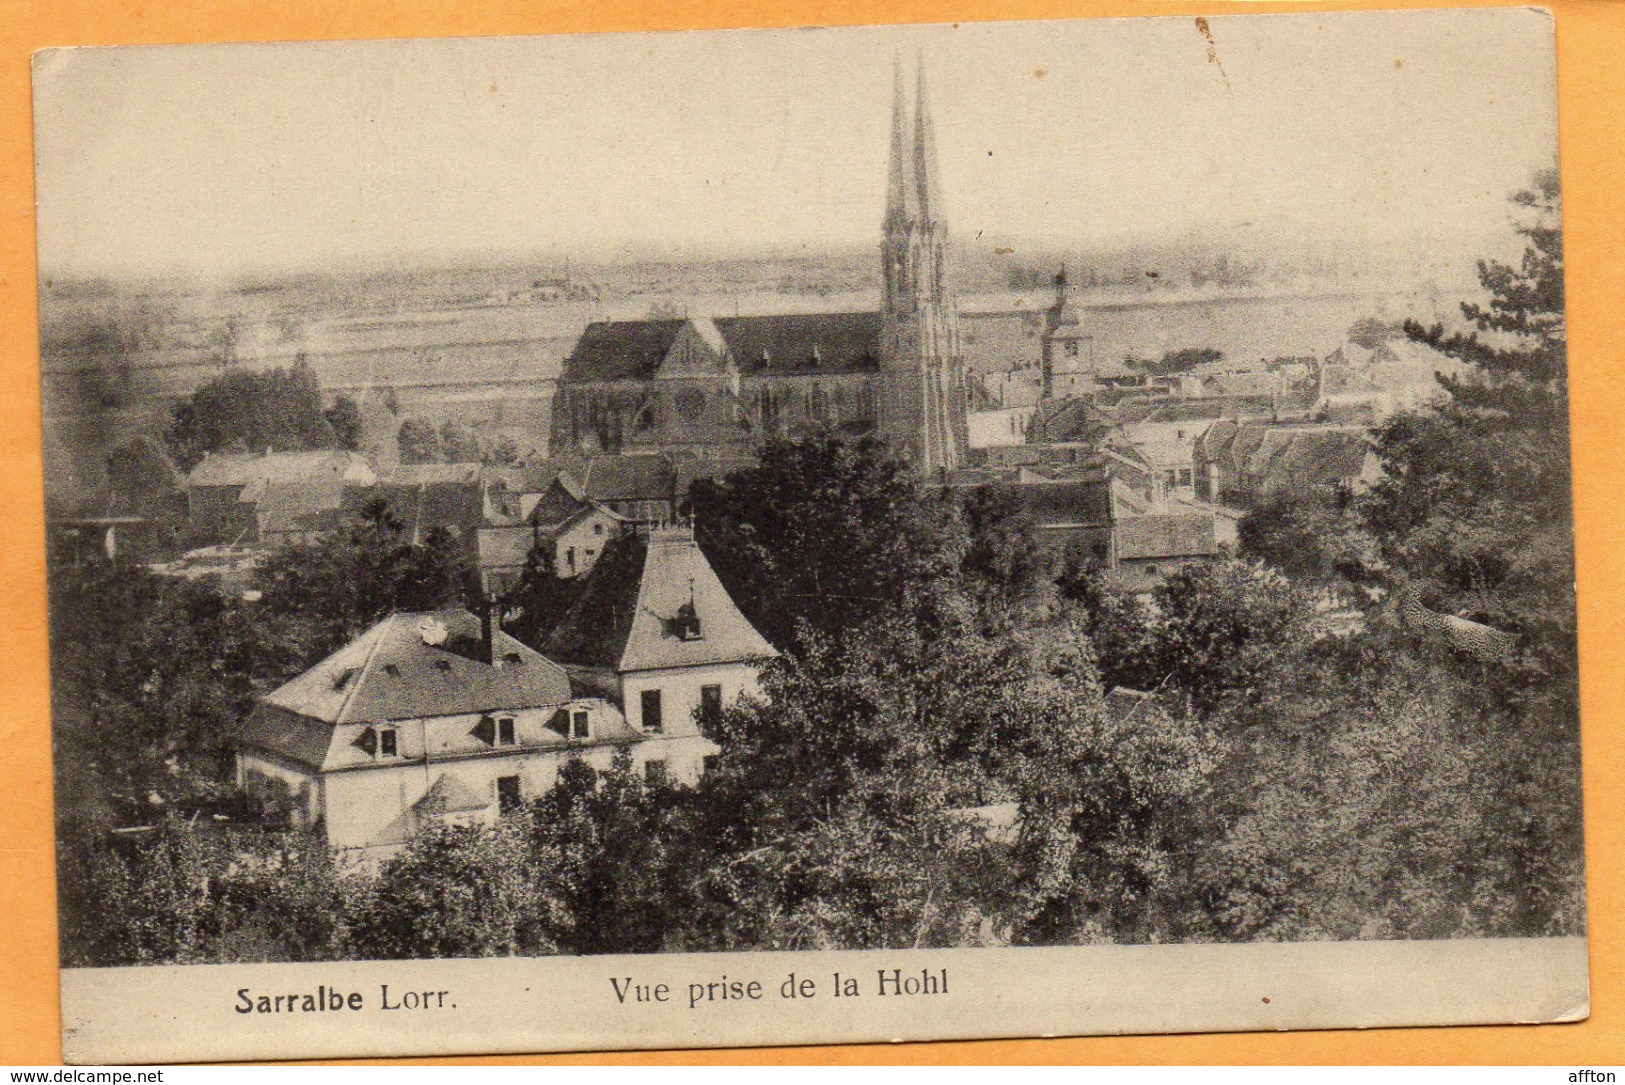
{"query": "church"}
[(717, 387)]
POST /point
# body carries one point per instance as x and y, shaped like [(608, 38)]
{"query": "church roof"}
[(780, 344)]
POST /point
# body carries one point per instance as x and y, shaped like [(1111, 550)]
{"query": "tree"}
[(1476, 505), (1177, 361), (1369, 798), (1224, 629), (610, 838), (461, 892), (541, 598), (829, 533), (1475, 511), (460, 444), (344, 418), (1115, 621), (343, 584), (1310, 536), (150, 680), (1371, 333), (242, 411), (826, 821), (420, 442), (1004, 554)]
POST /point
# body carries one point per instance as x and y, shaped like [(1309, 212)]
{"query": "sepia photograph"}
[(820, 528)]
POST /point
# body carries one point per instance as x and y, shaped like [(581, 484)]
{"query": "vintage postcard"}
[(767, 537)]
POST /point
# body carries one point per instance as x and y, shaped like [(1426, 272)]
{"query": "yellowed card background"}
[(1591, 86)]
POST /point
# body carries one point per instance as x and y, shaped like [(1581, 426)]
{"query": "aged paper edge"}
[(183, 1013)]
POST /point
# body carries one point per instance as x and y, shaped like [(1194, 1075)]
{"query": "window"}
[(650, 702), (710, 707), (386, 742), (508, 794), (598, 529), (578, 724), (505, 731), (1072, 350), (570, 559), (654, 773), (708, 764)]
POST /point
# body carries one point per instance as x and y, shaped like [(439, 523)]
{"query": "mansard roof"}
[(782, 344), (392, 672), (631, 617)]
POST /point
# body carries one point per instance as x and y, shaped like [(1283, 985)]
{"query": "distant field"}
[(494, 365)]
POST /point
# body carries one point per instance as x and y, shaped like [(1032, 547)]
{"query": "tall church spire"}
[(921, 384), (925, 152), (902, 192)]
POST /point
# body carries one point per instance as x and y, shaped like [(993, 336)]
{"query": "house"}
[(644, 488), (424, 496), (434, 718), (1146, 549), (1000, 427), (1243, 463), (271, 498), (575, 529), (1368, 386), (655, 631)]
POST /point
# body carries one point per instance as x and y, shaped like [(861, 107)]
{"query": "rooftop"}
[(780, 344), (421, 665), (655, 604)]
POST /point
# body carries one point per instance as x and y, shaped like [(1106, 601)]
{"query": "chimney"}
[(488, 652)]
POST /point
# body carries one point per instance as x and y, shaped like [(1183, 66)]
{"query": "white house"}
[(433, 717), (667, 643)]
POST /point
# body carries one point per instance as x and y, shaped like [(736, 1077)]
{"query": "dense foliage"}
[(247, 411)]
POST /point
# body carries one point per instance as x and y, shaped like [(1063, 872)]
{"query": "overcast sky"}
[(1362, 127)]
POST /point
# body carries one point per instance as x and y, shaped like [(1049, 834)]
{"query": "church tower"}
[(922, 379)]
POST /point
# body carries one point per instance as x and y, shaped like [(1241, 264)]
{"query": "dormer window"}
[(495, 730), (578, 724), (379, 742), (685, 624)]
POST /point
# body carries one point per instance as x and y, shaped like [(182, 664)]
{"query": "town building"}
[(424, 719), (573, 528), (1244, 463), (432, 719), (1147, 549), (667, 642), (720, 386), (272, 498)]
